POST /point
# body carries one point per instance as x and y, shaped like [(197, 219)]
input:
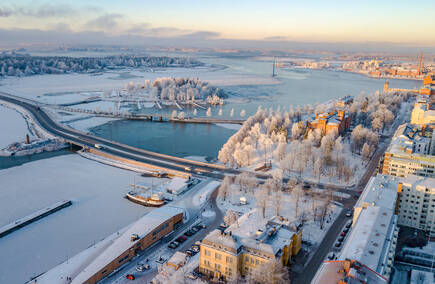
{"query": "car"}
[(337, 244), (198, 243), (140, 268), (195, 229), (181, 239), (187, 169), (342, 234), (346, 230), (173, 245), (195, 248), (340, 239), (349, 213), (191, 276), (331, 256), (348, 225), (189, 252), (189, 233), (130, 277)]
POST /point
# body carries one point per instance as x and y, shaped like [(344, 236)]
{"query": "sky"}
[(235, 22)]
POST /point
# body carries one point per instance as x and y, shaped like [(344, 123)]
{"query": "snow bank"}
[(201, 196), (230, 126), (12, 126)]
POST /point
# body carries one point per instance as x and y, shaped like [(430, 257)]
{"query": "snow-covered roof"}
[(366, 240), (381, 191), (85, 264), (422, 277), (177, 259), (255, 232), (331, 272), (176, 185), (419, 182)]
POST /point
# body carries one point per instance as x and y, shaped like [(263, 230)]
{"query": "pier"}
[(20, 223)]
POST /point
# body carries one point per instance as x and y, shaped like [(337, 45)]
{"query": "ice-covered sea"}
[(98, 210)]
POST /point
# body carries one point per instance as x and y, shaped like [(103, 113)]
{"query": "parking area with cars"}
[(340, 240)]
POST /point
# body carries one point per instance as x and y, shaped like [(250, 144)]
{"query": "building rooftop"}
[(368, 236), (252, 231), (347, 271), (419, 182), (121, 244), (404, 139), (381, 190), (88, 262)]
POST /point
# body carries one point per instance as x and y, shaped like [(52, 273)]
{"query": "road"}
[(310, 268), (161, 249)]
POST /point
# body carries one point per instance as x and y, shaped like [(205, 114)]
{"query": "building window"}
[(218, 256), (217, 266), (207, 252), (229, 259)]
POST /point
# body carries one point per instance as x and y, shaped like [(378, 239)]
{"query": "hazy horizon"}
[(340, 26)]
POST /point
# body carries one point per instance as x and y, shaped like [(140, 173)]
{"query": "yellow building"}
[(248, 244)]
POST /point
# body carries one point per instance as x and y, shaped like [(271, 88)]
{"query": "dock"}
[(20, 223)]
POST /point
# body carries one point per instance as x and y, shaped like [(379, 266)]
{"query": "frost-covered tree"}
[(232, 112), (208, 113)]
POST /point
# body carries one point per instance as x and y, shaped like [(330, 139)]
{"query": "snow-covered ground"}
[(13, 127), (98, 210)]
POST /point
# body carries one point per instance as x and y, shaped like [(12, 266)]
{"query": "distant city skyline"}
[(368, 22)]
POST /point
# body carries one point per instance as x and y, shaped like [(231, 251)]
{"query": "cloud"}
[(202, 35), (106, 21), (43, 11), (276, 38), (5, 12)]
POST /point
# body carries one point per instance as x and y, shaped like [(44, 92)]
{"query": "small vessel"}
[(153, 201), (144, 198)]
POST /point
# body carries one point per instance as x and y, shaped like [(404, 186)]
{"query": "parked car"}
[(342, 234), (346, 230), (173, 245), (195, 248), (191, 276), (195, 229), (188, 233), (349, 213), (181, 239), (331, 256), (348, 225), (140, 268), (340, 239), (189, 252), (130, 277), (337, 244)]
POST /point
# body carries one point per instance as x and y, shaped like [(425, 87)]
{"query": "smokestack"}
[(27, 139), (419, 63)]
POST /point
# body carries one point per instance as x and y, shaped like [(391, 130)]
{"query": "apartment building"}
[(248, 244), (423, 113), (373, 237), (337, 120), (416, 203), (411, 152)]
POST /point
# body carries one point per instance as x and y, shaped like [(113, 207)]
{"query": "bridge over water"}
[(150, 117)]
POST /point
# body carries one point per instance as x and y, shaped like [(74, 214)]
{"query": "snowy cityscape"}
[(187, 142)]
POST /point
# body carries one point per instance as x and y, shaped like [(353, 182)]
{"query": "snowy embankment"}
[(41, 140), (12, 126), (203, 195)]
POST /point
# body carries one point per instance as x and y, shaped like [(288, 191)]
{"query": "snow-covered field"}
[(13, 127), (34, 86), (98, 210)]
